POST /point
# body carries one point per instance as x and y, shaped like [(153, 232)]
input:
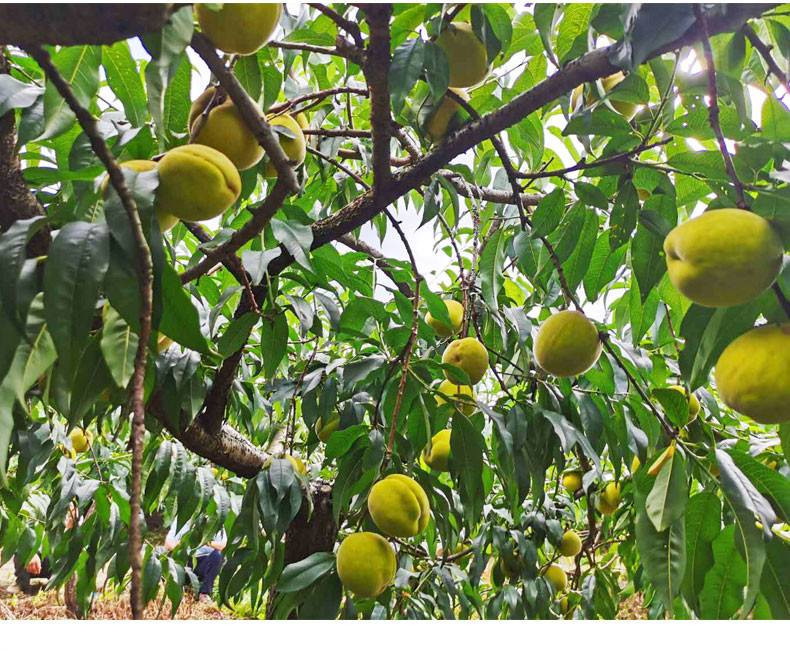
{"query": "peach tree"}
[(416, 302)]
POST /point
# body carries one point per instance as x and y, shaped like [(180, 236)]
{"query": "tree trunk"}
[(308, 534), (16, 200)]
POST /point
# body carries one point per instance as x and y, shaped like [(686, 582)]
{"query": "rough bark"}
[(16, 200), (309, 532), (72, 24)]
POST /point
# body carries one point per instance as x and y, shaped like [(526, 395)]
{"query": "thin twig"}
[(581, 165), (342, 49), (318, 95), (784, 302), (765, 52), (89, 125), (338, 133), (343, 23), (289, 437), (510, 171), (231, 262), (409, 348), (713, 109)]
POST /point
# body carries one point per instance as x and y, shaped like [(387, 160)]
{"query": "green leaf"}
[(436, 306), (770, 483), (249, 75), (603, 266), (570, 436), (548, 213), (748, 506), (90, 378), (274, 340), (490, 269), (599, 122), (15, 94), (775, 122), (296, 238), (675, 404), (119, 347), (703, 523), (624, 215), (666, 501), (236, 334), (663, 553), (647, 260), (124, 80), (707, 331), (77, 261), (34, 354), (722, 593), (501, 24), (437, 70), (175, 113), (577, 265), (573, 26), (152, 573), (13, 253), (405, 69), (79, 66), (323, 602), (775, 586), (708, 164), (304, 573), (543, 14), (279, 496), (180, 319), (648, 28), (466, 465)]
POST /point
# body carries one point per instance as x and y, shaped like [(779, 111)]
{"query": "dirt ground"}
[(51, 605)]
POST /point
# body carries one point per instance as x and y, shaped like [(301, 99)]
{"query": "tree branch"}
[(343, 23), (342, 49), (501, 151), (338, 133), (376, 69), (89, 125), (713, 109), (317, 96), (249, 111), (379, 260), (765, 52), (261, 217), (78, 24)]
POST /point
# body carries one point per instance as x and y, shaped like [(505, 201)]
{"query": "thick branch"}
[(593, 65), (227, 447), (77, 24), (377, 65), (261, 217)]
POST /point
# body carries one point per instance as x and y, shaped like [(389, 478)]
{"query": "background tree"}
[(261, 373)]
